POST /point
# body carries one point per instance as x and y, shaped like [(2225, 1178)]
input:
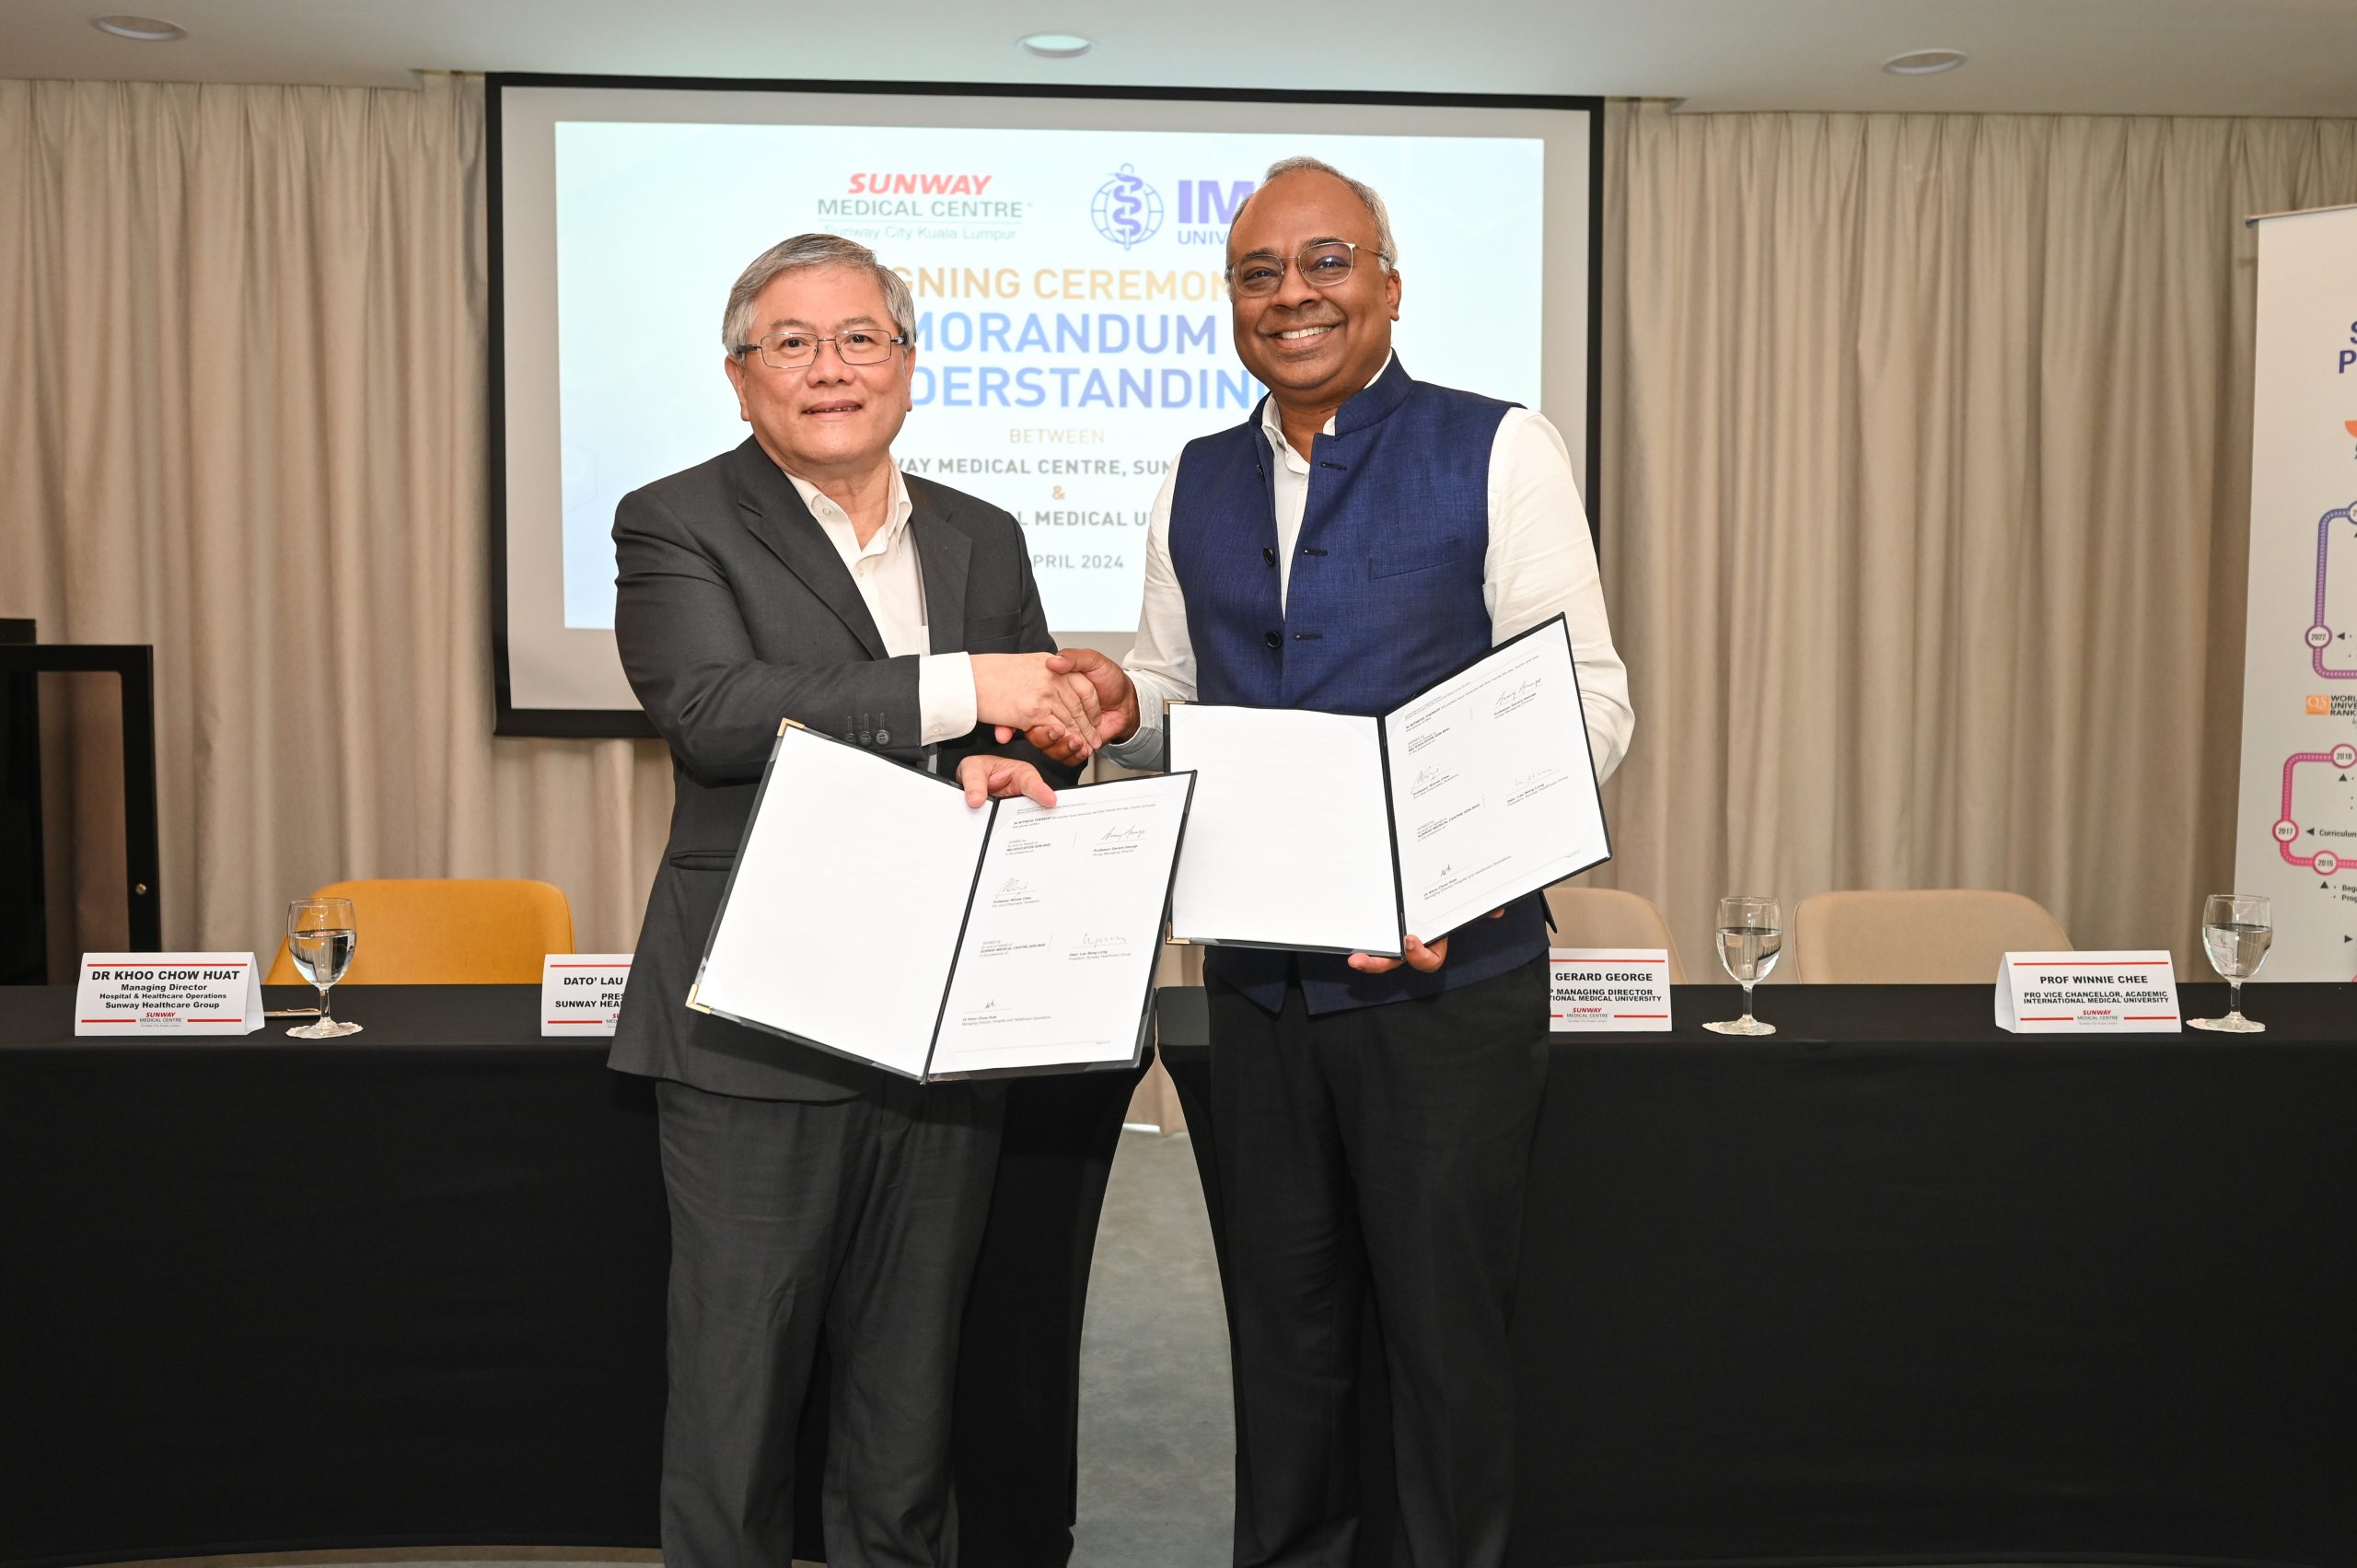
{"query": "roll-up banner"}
[(2296, 834)]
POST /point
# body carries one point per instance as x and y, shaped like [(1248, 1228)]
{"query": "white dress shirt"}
[(1541, 561), (885, 570)]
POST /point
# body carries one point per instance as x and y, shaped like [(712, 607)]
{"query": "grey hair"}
[(1386, 249), (810, 250)]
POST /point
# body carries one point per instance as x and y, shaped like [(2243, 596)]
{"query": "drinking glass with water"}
[(2236, 929), (1751, 935), (321, 936)]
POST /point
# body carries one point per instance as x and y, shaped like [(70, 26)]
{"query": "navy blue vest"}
[(1385, 599)]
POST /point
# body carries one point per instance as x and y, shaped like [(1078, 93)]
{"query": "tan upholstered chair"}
[(1916, 936), (1607, 917), (438, 930)]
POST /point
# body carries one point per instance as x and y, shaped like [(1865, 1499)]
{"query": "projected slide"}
[(1072, 327), (1072, 324)]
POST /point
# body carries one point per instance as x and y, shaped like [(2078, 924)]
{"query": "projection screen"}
[(1065, 251)]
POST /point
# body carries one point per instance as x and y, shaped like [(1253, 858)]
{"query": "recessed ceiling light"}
[(141, 29), (1055, 45), (1924, 62)]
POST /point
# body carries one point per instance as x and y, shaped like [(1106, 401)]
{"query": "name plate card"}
[(2083, 993), (167, 993), (581, 994), (1616, 990)]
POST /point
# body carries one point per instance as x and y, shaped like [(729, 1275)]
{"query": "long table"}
[(406, 1288), (1895, 1286)]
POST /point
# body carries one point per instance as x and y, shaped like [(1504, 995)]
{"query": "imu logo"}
[(1207, 206), (1126, 210)]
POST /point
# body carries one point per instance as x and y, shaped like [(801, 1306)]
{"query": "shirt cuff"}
[(945, 696), (1143, 751)]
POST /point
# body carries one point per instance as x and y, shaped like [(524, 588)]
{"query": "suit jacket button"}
[(883, 737), (1274, 639), (1269, 553)]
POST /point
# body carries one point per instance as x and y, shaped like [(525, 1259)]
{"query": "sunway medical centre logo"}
[(1127, 210)]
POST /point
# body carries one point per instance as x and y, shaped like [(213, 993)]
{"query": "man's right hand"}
[(1097, 680), (1026, 693), (1117, 695)]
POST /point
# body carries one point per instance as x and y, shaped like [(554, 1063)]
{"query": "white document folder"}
[(873, 914), (1338, 833)]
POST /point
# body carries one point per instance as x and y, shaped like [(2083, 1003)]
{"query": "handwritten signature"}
[(1508, 698)]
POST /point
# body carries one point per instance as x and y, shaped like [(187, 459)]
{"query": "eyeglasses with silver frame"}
[(1321, 265), (793, 350)]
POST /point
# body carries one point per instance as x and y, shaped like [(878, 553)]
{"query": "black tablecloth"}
[(1896, 1285), (407, 1288)]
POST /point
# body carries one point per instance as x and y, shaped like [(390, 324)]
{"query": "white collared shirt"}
[(886, 572), (1541, 561)]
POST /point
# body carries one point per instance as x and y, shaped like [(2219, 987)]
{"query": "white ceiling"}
[(2285, 57)]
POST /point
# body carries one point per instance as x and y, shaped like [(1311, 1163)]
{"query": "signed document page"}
[(1492, 788), (1288, 845), (1058, 955), (842, 917)]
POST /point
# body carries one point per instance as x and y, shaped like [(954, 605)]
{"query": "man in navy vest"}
[(1360, 536)]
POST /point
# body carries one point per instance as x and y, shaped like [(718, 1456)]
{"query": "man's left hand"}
[(1422, 958), (1002, 778)]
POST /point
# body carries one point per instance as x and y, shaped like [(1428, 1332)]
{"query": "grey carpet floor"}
[(1158, 1436)]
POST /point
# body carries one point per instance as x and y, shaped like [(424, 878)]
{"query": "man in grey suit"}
[(803, 575)]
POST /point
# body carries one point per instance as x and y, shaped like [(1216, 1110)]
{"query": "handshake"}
[(1067, 705)]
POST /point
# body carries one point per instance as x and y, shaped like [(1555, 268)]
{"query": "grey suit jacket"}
[(732, 611)]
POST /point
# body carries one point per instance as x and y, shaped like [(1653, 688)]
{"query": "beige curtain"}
[(244, 332), (1925, 488)]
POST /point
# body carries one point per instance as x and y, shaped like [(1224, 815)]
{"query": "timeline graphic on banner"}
[(2296, 839), (1072, 330)]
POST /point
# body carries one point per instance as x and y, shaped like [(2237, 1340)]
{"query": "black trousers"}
[(1381, 1149), (857, 1220)]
